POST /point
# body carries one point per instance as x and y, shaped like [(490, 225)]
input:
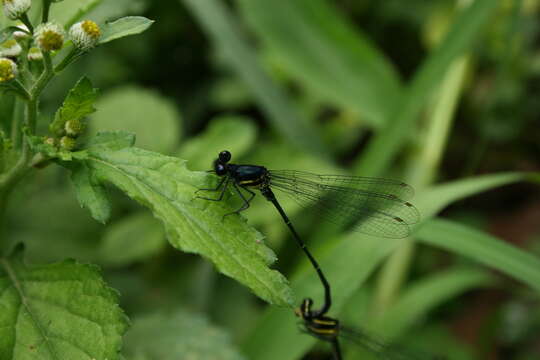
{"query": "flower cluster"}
[(14, 9)]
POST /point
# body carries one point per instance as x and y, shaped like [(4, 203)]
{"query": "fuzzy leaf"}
[(167, 188), (174, 336), (126, 26), (78, 104), (57, 311)]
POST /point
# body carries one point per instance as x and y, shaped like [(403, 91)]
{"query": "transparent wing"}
[(382, 350), (379, 205)]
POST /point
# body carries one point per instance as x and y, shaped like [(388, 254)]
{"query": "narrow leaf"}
[(426, 294), (222, 27), (483, 248), (126, 26), (435, 198), (57, 311), (463, 32), (311, 36)]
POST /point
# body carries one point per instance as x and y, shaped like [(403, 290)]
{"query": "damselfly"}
[(331, 331), (378, 205)]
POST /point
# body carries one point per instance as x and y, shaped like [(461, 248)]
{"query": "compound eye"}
[(224, 156), (221, 169)]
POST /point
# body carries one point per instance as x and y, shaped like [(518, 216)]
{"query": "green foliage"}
[(204, 148), (180, 334), (133, 238), (166, 187), (311, 35), (57, 311), (127, 26), (484, 249), (153, 119), (78, 104), (327, 87)]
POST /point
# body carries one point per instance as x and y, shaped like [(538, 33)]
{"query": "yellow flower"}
[(49, 36), (8, 70)]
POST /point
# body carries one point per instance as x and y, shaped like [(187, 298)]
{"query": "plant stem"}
[(46, 76), (18, 114), (72, 56), (26, 21), (45, 13)]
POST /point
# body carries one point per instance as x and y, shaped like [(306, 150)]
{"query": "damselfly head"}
[(220, 164), (224, 157)]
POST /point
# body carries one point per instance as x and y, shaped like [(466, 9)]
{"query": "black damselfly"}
[(331, 331), (378, 204)]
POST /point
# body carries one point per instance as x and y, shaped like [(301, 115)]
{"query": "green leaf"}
[(134, 237), (437, 197), (464, 31), (126, 26), (167, 188), (112, 140), (57, 311), (222, 27), (426, 294), (177, 335), (234, 133), (90, 193), (310, 36), (78, 104), (483, 248), (153, 119)]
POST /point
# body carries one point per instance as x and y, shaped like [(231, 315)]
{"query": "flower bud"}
[(23, 34), (14, 9), (49, 141), (67, 143), (8, 70), (73, 127), (49, 36), (85, 34), (10, 48), (34, 54)]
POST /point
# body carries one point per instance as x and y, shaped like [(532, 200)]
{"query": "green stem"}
[(72, 56), (18, 114), (19, 89), (26, 21), (46, 8), (3, 207)]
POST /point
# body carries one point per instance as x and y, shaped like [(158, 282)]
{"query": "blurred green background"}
[(429, 92)]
